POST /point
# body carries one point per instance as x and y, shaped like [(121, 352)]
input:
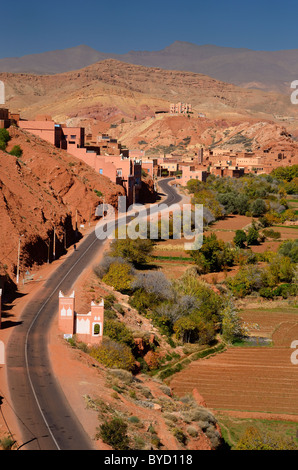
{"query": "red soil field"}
[(244, 379)]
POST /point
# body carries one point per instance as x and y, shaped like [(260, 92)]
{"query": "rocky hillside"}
[(43, 189), (167, 134), (267, 70), (111, 91)]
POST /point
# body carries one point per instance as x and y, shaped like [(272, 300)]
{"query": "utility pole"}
[(18, 264), (54, 244), (48, 243)]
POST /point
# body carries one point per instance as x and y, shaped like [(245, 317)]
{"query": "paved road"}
[(45, 416)]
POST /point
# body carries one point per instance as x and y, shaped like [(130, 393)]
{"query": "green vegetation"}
[(136, 251), (114, 433), (254, 439), (16, 151), (113, 355), (255, 433), (119, 276), (4, 138), (260, 196), (214, 255)]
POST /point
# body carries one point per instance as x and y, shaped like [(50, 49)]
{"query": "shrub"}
[(142, 301), (114, 433), (192, 431), (4, 138), (113, 355), (290, 248), (270, 233), (123, 375), (16, 151), (7, 443), (133, 419), (180, 436)]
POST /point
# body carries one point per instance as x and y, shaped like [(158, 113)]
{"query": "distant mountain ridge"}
[(266, 70)]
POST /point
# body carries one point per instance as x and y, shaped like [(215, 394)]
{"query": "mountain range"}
[(266, 70)]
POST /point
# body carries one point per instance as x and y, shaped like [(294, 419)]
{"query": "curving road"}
[(46, 420)]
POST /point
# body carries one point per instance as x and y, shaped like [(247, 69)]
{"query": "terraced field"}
[(260, 379)]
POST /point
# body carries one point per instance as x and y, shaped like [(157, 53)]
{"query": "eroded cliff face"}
[(44, 190)]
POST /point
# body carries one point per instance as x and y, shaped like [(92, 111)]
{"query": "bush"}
[(180, 436), (133, 419), (113, 355), (270, 233), (4, 138), (114, 433), (192, 431), (16, 151)]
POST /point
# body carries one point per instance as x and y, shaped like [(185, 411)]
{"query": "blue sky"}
[(120, 26)]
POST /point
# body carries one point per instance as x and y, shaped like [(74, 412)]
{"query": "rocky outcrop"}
[(45, 193)]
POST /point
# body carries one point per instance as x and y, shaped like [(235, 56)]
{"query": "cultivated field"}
[(244, 379)]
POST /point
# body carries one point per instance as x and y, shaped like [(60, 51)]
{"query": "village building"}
[(107, 157), (180, 108), (88, 328)]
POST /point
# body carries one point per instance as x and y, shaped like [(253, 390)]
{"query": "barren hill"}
[(266, 70), (43, 189), (112, 90), (179, 134)]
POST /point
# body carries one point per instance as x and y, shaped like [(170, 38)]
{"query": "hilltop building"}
[(180, 108)]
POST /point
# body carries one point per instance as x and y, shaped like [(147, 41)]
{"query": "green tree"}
[(240, 238), (186, 330), (213, 255), (258, 207), (252, 237), (232, 325), (136, 251), (119, 276)]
